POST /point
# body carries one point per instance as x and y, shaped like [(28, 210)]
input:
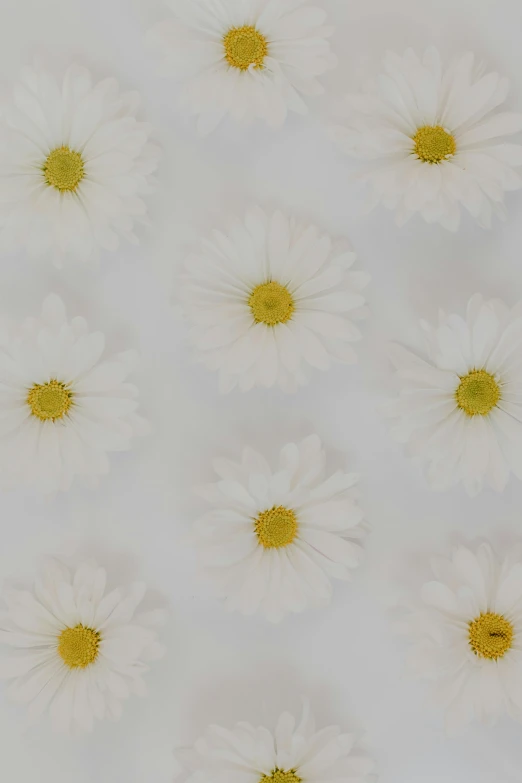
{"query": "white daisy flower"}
[(461, 407), (269, 298), (79, 650), (436, 139), (290, 754), (247, 58), (274, 539), (62, 407), (74, 166), (467, 634)]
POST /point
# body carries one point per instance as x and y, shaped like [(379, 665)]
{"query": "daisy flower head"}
[(270, 298), (77, 650), (460, 407), (466, 633), (296, 752), (250, 59), (276, 537), (62, 406), (74, 166), (435, 139)]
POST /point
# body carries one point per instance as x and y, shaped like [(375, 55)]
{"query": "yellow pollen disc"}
[(276, 527), (490, 636), (478, 393), (78, 647), (271, 304), (245, 46), (433, 144), (63, 169), (49, 400), (280, 776)]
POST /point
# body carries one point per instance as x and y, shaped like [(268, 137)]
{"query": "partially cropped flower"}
[(275, 538), (250, 59), (460, 408), (74, 166), (62, 407), (78, 651), (269, 298), (435, 138), (293, 753), (467, 634)]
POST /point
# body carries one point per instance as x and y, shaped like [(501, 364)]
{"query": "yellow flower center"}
[(433, 144), (281, 776), (78, 647), (276, 527), (63, 169), (271, 304), (49, 400), (245, 46), (478, 393), (490, 636)]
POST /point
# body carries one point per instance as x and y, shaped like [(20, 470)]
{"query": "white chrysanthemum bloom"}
[(79, 650), (461, 407), (467, 633), (246, 58), (62, 407), (435, 138), (74, 166), (270, 298), (290, 754), (274, 539)]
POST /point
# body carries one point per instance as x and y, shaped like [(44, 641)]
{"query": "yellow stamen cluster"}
[(281, 776), (245, 46), (78, 647), (50, 400), (433, 144), (64, 169), (271, 304), (478, 393), (490, 636), (276, 527)]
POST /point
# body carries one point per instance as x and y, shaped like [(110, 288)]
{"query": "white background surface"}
[(222, 668)]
